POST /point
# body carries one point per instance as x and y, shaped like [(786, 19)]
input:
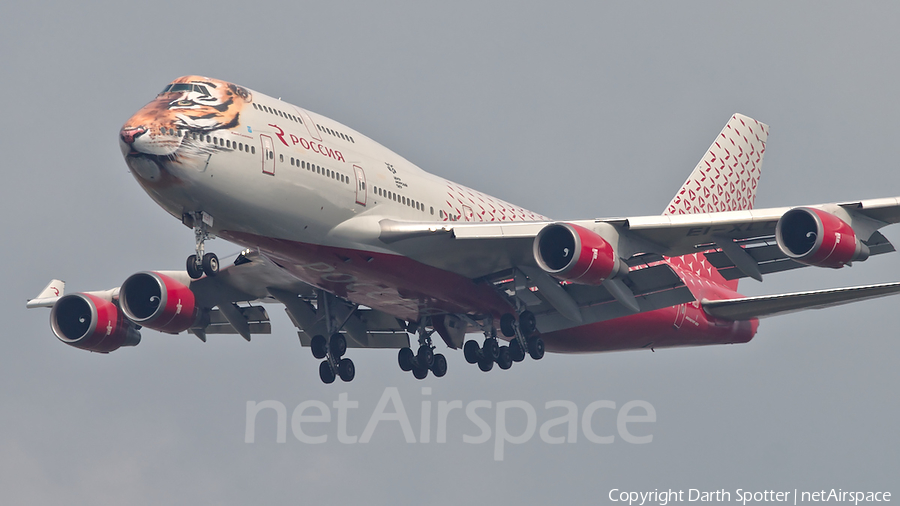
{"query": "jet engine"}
[(816, 237), (574, 253), (91, 323), (157, 301)]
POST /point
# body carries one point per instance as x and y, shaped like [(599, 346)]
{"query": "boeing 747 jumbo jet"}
[(363, 248)]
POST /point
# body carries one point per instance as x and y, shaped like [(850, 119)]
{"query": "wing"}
[(743, 243), (234, 293)]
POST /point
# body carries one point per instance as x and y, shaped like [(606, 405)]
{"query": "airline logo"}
[(315, 147)]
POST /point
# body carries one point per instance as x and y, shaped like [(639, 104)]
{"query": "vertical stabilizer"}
[(724, 180), (727, 175)]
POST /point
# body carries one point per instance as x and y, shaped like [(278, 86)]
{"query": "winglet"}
[(49, 295)]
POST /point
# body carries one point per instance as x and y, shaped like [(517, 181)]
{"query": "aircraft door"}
[(360, 185), (310, 126), (680, 311), (268, 155)]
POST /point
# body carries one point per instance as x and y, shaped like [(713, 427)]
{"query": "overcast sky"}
[(577, 110)]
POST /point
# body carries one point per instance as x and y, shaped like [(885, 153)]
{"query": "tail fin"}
[(724, 180), (726, 177)]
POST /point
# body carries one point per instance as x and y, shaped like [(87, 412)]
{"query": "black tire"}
[(527, 323), (491, 348), (194, 269), (485, 364), (516, 352), (325, 373), (338, 345), (508, 325), (425, 356), (471, 350), (319, 346), (406, 359), (439, 367), (504, 359), (536, 348), (419, 372), (210, 264), (346, 369)]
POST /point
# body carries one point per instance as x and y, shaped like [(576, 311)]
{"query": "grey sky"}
[(573, 111)]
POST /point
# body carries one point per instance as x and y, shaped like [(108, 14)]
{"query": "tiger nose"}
[(130, 134)]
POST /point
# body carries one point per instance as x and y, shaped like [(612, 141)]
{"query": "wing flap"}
[(770, 305)]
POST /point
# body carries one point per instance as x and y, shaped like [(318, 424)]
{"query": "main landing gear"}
[(202, 263), (425, 359), (332, 349), (492, 352)]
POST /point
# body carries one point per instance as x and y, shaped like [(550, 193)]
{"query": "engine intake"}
[(816, 237), (90, 323), (574, 253), (159, 302)]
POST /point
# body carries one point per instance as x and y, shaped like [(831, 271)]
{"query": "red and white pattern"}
[(483, 207), (727, 176)]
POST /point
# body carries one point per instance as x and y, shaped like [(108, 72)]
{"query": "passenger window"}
[(432, 210), (281, 158), (252, 150), (227, 144)]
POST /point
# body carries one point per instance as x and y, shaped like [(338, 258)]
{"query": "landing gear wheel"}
[(325, 372), (527, 323), (485, 363), (210, 264), (516, 352), (439, 367), (471, 351), (504, 359), (419, 372), (346, 369), (508, 325), (338, 345), (406, 359), (194, 269), (425, 356), (491, 348), (318, 346), (536, 348)]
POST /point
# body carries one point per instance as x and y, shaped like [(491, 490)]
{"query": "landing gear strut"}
[(522, 342), (333, 348), (201, 263), (425, 359)]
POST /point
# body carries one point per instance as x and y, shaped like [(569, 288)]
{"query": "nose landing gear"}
[(201, 263)]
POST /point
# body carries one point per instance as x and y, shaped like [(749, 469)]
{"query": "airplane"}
[(364, 249)]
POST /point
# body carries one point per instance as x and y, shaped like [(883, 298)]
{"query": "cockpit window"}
[(199, 88)]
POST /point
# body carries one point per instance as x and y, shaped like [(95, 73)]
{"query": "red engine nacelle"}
[(815, 237), (574, 253), (158, 302), (88, 322)]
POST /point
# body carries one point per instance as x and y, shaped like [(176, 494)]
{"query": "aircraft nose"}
[(129, 134)]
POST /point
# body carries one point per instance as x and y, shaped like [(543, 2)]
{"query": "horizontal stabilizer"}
[(770, 305)]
